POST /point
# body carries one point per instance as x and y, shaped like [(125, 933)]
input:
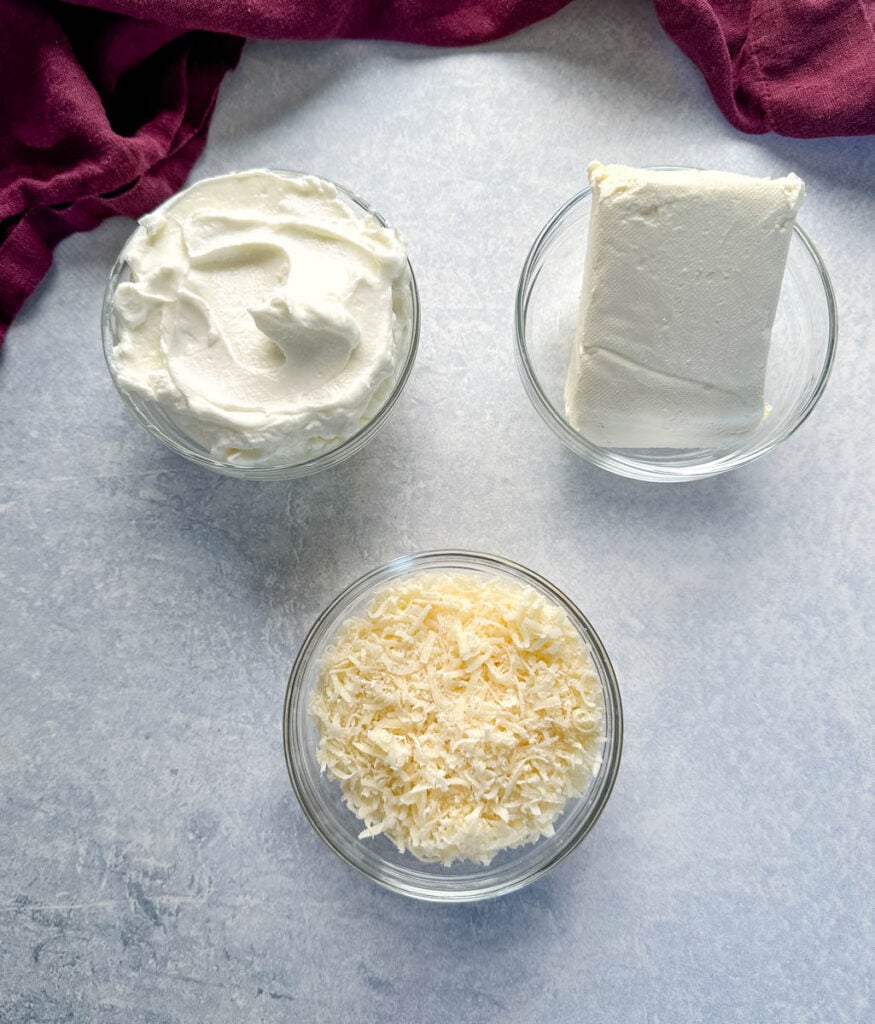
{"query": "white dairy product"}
[(459, 714), (263, 314), (682, 278)]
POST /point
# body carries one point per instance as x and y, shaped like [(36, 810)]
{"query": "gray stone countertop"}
[(154, 865)]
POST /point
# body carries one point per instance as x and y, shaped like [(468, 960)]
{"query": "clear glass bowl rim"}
[(294, 711), (325, 460), (623, 465)]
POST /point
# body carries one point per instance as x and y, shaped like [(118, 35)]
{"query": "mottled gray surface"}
[(154, 866)]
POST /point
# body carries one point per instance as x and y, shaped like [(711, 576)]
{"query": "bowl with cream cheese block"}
[(673, 323), (452, 726), (262, 324)]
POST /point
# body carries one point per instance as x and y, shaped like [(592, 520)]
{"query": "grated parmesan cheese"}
[(458, 714)]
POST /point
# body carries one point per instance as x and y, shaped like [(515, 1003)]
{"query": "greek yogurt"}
[(264, 314)]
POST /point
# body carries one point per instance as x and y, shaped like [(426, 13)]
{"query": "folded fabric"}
[(805, 69), (106, 103), (434, 22)]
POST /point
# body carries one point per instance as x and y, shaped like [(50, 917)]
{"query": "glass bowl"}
[(173, 434), (547, 306), (377, 858)]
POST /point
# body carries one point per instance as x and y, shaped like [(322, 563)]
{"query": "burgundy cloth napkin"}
[(797, 67), (104, 104)]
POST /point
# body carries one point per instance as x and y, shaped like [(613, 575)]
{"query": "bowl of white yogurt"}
[(262, 324), (659, 332)]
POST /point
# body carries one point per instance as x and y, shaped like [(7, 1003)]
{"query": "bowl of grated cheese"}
[(452, 726)]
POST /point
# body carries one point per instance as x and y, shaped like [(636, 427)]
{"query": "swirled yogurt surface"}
[(263, 314)]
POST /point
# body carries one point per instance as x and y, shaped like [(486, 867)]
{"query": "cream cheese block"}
[(681, 282)]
